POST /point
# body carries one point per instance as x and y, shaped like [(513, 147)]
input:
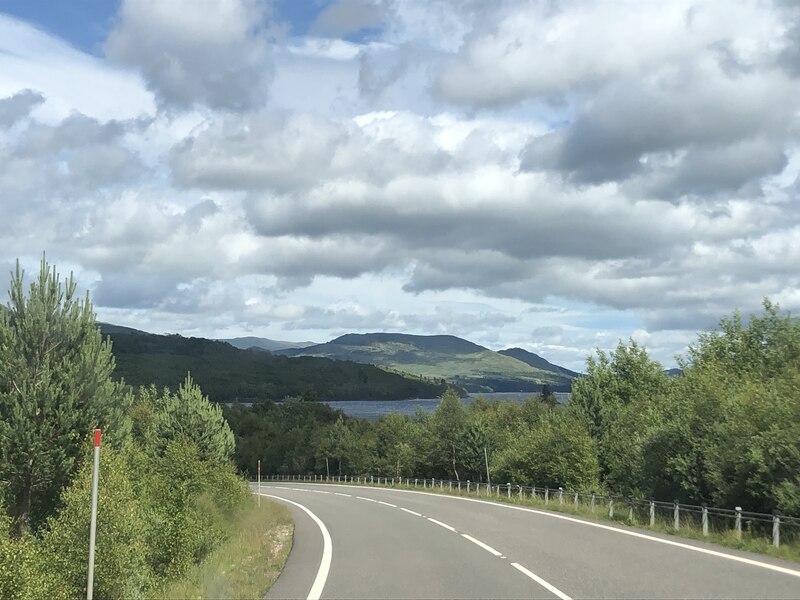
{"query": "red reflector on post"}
[(96, 438)]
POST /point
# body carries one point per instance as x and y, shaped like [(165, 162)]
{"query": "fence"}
[(674, 515)]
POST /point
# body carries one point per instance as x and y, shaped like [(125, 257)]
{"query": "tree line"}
[(167, 486), (726, 431)]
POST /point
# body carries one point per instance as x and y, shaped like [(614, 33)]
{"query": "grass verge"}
[(247, 564)]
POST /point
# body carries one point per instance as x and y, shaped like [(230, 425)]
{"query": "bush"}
[(121, 566)]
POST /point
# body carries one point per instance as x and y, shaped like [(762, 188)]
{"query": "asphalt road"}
[(385, 543)]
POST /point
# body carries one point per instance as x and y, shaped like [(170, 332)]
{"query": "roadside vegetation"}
[(726, 432), (169, 495)]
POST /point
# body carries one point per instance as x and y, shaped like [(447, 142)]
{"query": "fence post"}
[(451, 485), (459, 486), (776, 529), (468, 486), (630, 509), (705, 519), (576, 499), (611, 507), (509, 489), (546, 495), (561, 495), (415, 482), (591, 503), (520, 492), (652, 513), (676, 509)]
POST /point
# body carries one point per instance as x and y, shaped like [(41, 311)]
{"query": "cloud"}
[(18, 106), (208, 53), (344, 17)]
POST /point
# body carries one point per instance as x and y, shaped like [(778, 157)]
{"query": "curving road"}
[(361, 542)]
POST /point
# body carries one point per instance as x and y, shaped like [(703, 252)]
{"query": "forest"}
[(726, 431)]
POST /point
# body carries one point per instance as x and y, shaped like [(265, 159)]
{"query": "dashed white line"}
[(367, 499), (387, 504), (541, 581), (340, 494), (482, 545), (411, 512), (440, 524)]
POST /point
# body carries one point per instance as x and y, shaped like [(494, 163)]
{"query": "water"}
[(372, 410)]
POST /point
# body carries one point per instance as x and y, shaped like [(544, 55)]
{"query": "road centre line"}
[(445, 525), (340, 494), (387, 504), (327, 551), (541, 581), (482, 545), (636, 534)]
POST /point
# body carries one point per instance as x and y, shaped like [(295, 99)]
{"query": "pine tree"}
[(55, 387)]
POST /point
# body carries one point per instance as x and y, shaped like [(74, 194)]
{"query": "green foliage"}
[(121, 566), (55, 385), (228, 374), (189, 414), (557, 452), (448, 426)]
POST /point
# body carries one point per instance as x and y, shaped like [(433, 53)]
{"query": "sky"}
[(556, 175)]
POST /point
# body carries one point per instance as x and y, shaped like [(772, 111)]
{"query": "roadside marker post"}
[(93, 524), (259, 482)]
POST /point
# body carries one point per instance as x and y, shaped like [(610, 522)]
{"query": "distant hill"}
[(459, 361), (228, 374), (245, 343), (537, 361)]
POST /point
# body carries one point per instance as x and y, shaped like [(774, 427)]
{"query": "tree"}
[(189, 414), (55, 387), (447, 427)]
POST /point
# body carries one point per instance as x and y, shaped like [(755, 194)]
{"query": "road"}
[(385, 543)]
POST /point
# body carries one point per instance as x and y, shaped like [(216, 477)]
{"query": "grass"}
[(247, 564), (750, 542)]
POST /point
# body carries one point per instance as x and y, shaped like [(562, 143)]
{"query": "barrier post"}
[(93, 522)]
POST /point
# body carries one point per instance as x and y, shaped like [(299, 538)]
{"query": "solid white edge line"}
[(445, 525), (482, 545), (636, 534), (733, 557), (411, 512), (327, 550), (541, 581)]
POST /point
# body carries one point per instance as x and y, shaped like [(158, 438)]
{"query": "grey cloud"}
[(699, 110), (18, 106), (709, 171), (213, 54), (343, 17), (283, 152)]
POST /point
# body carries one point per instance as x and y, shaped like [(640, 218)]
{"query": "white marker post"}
[(259, 483), (93, 525)]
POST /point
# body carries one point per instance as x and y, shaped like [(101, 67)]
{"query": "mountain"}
[(537, 361), (245, 343), (228, 374), (459, 361)]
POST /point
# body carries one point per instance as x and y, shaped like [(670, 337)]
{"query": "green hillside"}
[(459, 361), (228, 374)]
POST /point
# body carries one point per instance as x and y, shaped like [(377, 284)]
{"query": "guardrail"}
[(674, 515)]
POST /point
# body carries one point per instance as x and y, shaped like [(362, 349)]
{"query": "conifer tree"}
[(55, 387)]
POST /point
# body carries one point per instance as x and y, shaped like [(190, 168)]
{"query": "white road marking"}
[(411, 512), (387, 504), (327, 551), (340, 494), (636, 534), (367, 499), (445, 525), (541, 581), (482, 545)]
